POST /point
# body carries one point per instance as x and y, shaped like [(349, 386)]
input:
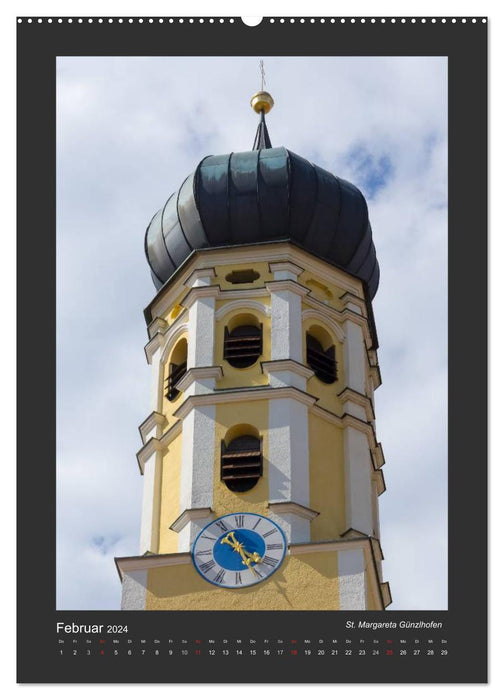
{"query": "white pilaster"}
[(134, 590), (355, 359), (352, 580), (197, 473), (201, 304), (151, 502), (286, 322), (288, 474), (156, 381), (358, 468)]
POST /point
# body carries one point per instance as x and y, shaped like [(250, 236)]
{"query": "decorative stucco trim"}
[(286, 266), (280, 507), (269, 253), (151, 561), (154, 421), (287, 366), (188, 516), (237, 395), (324, 320), (347, 420), (199, 274), (252, 293), (375, 374), (157, 445), (145, 453), (378, 456), (386, 594), (200, 293), (287, 286), (195, 373), (352, 396), (239, 305), (348, 298), (329, 546), (157, 325), (380, 482)]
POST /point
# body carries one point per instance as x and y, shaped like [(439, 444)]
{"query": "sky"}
[(129, 130)]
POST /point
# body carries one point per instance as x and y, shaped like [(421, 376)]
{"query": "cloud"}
[(129, 130)]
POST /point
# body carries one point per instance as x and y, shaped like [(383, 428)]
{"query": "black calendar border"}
[(465, 44)]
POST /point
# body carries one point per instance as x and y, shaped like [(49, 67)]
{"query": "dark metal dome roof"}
[(262, 196)]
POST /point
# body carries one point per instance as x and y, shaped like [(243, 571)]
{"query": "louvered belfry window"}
[(322, 362), (176, 372), (242, 345), (241, 462)]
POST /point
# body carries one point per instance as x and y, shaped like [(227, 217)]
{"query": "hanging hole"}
[(251, 21)]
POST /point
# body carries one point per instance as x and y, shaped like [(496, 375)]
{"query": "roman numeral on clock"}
[(270, 561), (238, 578), (257, 572), (207, 566), (220, 576), (207, 537), (205, 552), (239, 520), (270, 532), (222, 525), (274, 546)]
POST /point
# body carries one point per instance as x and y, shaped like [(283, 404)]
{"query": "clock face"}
[(238, 550)]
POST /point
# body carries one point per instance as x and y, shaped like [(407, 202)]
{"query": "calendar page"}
[(252, 273)]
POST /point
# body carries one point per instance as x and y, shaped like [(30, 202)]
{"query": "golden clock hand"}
[(246, 556), (253, 557)]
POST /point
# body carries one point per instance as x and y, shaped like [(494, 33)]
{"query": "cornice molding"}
[(347, 420), (209, 291), (195, 373), (268, 253), (349, 298), (154, 445), (197, 274), (157, 325), (379, 477), (286, 266), (378, 456), (282, 507), (150, 561), (352, 396), (238, 395), (250, 293), (287, 365), (190, 515), (287, 286), (152, 421)]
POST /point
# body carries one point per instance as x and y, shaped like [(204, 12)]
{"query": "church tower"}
[(260, 464)]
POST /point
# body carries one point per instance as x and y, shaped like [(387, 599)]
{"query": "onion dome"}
[(262, 196)]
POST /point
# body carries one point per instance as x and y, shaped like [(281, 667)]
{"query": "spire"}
[(261, 103), (262, 139)]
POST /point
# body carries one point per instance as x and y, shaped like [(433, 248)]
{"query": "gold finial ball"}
[(262, 102)]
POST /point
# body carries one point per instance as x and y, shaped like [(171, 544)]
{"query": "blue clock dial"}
[(238, 550)]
